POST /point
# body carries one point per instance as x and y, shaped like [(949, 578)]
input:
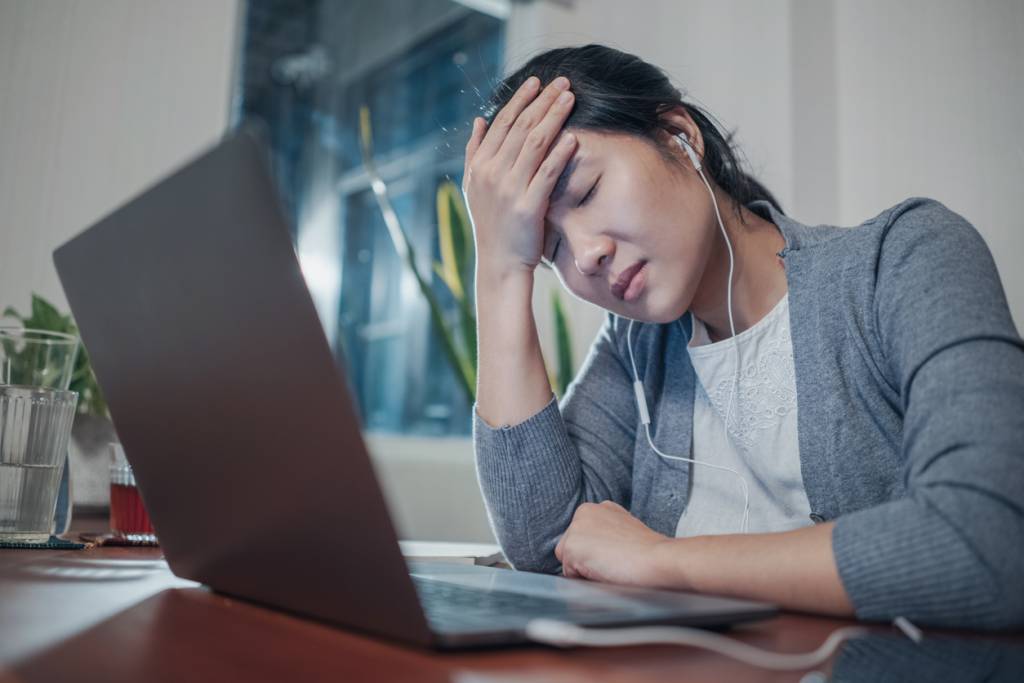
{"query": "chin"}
[(651, 309), (662, 316), (660, 303)]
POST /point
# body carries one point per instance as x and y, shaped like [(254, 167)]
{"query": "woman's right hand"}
[(511, 169)]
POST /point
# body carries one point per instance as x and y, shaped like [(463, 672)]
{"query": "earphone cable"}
[(645, 418), (734, 390)]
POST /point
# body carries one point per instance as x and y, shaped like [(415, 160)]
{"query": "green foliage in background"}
[(563, 345), (456, 271), (45, 316), (455, 235)]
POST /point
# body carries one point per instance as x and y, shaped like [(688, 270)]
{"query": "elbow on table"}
[(904, 559), (991, 600), (535, 565), (526, 559), (996, 586), (1007, 610), (527, 553)]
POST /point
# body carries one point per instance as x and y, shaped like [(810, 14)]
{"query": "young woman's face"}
[(628, 230)]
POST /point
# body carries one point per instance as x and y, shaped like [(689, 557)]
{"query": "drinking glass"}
[(36, 414), (37, 358), (35, 425), (128, 516)]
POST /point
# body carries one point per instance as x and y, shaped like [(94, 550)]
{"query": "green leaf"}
[(10, 312), (456, 242), (45, 316), (462, 229), (466, 228), (460, 362), (443, 275), (467, 320), (563, 345), (450, 241)]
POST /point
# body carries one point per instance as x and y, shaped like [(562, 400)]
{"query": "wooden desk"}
[(118, 614)]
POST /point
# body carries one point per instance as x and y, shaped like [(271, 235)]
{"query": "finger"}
[(558, 547), (479, 128), (505, 118), (567, 568), (537, 112), (539, 190), (535, 145)]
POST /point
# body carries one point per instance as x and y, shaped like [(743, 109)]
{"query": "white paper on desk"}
[(442, 551)]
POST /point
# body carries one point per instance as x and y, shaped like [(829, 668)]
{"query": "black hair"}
[(617, 92)]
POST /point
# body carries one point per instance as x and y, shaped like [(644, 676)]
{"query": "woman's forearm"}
[(512, 382), (792, 569)]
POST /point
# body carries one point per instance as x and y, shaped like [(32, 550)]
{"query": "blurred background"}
[(842, 108)]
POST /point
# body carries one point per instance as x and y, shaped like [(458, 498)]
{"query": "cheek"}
[(565, 271), (576, 284)]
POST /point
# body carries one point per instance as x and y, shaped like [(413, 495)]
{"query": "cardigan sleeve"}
[(535, 474), (951, 552)]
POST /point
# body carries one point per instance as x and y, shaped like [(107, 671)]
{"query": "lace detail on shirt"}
[(767, 391)]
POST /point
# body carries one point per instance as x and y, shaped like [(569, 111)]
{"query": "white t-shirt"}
[(762, 444)]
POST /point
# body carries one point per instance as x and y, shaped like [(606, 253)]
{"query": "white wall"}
[(98, 98), (930, 102)]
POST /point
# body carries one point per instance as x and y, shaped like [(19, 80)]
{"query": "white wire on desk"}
[(563, 634)]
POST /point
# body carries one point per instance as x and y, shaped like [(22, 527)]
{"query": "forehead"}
[(567, 174), (591, 149), (595, 151)]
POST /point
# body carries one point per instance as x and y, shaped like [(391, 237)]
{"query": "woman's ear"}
[(677, 120)]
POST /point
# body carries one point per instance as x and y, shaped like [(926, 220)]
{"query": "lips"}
[(622, 283)]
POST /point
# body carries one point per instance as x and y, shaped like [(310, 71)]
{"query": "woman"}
[(836, 415)]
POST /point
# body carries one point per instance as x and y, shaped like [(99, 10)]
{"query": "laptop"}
[(245, 443)]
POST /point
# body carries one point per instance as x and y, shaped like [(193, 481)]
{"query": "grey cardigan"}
[(910, 390)]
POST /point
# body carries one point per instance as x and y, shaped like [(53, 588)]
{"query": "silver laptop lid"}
[(228, 401)]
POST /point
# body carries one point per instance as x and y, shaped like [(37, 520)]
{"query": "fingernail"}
[(561, 82), (531, 83), (565, 98), (569, 139)]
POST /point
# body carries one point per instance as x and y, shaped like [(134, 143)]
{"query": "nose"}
[(594, 254)]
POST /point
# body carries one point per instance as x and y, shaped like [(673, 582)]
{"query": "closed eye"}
[(590, 193), (586, 198)]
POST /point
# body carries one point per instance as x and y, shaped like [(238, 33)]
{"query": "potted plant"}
[(455, 270)]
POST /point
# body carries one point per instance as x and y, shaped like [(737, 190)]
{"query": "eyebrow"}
[(563, 180)]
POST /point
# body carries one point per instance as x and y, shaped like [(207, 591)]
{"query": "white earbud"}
[(684, 142)]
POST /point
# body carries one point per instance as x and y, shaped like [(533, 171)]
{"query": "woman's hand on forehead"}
[(511, 169)]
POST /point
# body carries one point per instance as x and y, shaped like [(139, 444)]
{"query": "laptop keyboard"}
[(449, 605)]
